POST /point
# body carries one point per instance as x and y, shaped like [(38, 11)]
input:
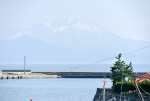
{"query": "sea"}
[(70, 67), (56, 89)]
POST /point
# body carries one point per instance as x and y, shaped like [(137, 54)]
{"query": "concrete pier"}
[(38, 76), (31, 76), (16, 72), (86, 74), (10, 77), (19, 74)]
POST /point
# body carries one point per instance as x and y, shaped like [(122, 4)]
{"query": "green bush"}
[(130, 86), (144, 86)]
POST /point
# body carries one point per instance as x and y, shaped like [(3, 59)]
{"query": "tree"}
[(120, 70)]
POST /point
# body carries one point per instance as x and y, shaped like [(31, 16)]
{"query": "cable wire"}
[(102, 60)]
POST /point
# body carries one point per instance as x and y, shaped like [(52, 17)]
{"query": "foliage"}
[(120, 70), (126, 87), (145, 85), (130, 86)]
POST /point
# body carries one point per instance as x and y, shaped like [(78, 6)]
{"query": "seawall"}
[(67, 74), (111, 96), (33, 76), (86, 74)]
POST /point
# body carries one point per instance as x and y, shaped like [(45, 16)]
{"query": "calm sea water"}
[(58, 89), (71, 67)]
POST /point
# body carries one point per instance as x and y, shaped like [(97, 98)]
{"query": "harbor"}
[(21, 74), (35, 76), (28, 74)]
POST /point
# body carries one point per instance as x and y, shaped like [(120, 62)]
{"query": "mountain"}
[(38, 51), (35, 50), (68, 40)]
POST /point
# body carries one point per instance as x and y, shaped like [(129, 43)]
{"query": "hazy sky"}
[(126, 18)]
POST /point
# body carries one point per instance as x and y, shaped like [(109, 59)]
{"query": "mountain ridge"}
[(74, 41)]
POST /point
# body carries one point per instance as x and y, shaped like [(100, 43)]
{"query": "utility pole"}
[(24, 63)]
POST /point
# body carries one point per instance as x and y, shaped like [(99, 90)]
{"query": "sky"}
[(125, 18)]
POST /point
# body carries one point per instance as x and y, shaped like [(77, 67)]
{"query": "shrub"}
[(130, 86)]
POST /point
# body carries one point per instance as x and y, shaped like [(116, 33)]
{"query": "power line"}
[(136, 50), (101, 60), (106, 59)]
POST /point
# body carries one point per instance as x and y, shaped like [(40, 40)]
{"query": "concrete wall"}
[(110, 96), (27, 76), (78, 74), (86, 74), (18, 72)]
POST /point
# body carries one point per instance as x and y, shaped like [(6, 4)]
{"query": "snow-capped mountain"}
[(76, 38), (68, 32), (75, 27)]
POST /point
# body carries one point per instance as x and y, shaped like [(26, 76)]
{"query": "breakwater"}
[(30, 74), (10, 77), (86, 74), (27, 76), (78, 74), (21, 74)]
